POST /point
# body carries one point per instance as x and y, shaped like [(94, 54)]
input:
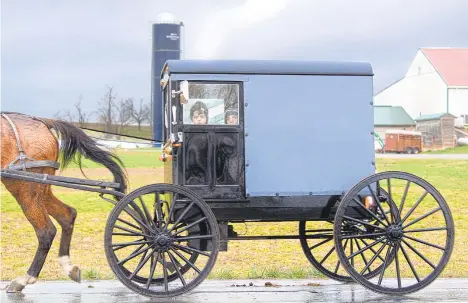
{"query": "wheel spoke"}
[(148, 218), (166, 284), (414, 207), (177, 268), (419, 254), (130, 212), (180, 239), (377, 201), (327, 255), (363, 236), (320, 243), (171, 210), (134, 254), (397, 265), (131, 231), (403, 198), (410, 264), (153, 268), (318, 230), (363, 222), (129, 224), (422, 217), (365, 248), (186, 210), (191, 250), (372, 249), (390, 199), (190, 225), (425, 229), (362, 254), (143, 261), (424, 242), (126, 244), (129, 234), (158, 210), (186, 260), (387, 256), (376, 255), (369, 212)]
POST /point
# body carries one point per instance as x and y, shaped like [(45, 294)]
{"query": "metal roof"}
[(386, 115), (451, 63), (279, 67), (432, 117)]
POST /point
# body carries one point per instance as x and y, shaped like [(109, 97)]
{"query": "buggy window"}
[(212, 103)]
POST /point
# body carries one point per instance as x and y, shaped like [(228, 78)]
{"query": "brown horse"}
[(37, 200)]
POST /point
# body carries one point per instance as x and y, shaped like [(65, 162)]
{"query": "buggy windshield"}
[(212, 103)]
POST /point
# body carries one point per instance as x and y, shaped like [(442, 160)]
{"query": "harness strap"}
[(23, 165), (34, 164), (15, 131)]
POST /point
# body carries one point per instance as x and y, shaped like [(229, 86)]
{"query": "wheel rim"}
[(412, 243), (161, 240)]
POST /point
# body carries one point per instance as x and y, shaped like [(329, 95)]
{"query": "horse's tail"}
[(75, 142)]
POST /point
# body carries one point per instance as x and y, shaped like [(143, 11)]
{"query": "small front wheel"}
[(161, 240), (411, 244)]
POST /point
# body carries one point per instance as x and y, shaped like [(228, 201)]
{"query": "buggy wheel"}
[(319, 247), (173, 276), (161, 240), (413, 242)]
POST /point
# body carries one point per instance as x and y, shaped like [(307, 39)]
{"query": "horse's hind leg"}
[(65, 216), (30, 197)]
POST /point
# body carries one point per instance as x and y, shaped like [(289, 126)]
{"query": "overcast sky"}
[(53, 51)]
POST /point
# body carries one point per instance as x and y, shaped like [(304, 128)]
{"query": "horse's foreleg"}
[(30, 200), (65, 216)]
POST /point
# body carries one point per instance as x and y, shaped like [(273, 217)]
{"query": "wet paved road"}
[(442, 290), (423, 156)]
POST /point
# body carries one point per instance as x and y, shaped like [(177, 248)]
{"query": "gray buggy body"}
[(306, 127)]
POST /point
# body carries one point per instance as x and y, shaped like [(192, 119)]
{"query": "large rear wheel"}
[(413, 244)]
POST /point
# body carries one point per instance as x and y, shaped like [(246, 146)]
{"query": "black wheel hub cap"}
[(163, 242), (394, 233)]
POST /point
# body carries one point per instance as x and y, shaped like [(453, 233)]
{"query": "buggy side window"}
[(212, 103)]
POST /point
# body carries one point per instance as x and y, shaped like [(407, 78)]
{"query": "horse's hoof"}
[(75, 274), (14, 287)]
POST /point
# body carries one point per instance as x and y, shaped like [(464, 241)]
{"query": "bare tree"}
[(65, 115), (124, 114), (107, 110), (141, 113), (82, 116)]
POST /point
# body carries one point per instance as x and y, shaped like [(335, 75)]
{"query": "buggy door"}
[(211, 159)]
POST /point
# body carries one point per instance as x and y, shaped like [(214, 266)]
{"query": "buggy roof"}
[(268, 67)]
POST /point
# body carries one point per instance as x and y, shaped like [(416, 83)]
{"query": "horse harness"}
[(24, 160)]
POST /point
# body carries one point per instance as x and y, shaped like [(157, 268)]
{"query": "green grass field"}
[(244, 259), (456, 150)]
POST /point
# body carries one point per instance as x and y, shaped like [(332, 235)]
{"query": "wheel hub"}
[(163, 242), (394, 233)]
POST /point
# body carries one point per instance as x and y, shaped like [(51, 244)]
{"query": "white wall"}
[(422, 91), (458, 101)]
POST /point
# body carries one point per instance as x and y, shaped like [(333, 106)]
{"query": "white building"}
[(436, 82)]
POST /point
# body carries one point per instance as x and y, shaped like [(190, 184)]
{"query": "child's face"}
[(231, 119), (198, 118)]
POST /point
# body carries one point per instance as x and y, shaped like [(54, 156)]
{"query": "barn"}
[(435, 82)]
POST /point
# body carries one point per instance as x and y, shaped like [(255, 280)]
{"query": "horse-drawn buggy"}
[(244, 141)]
